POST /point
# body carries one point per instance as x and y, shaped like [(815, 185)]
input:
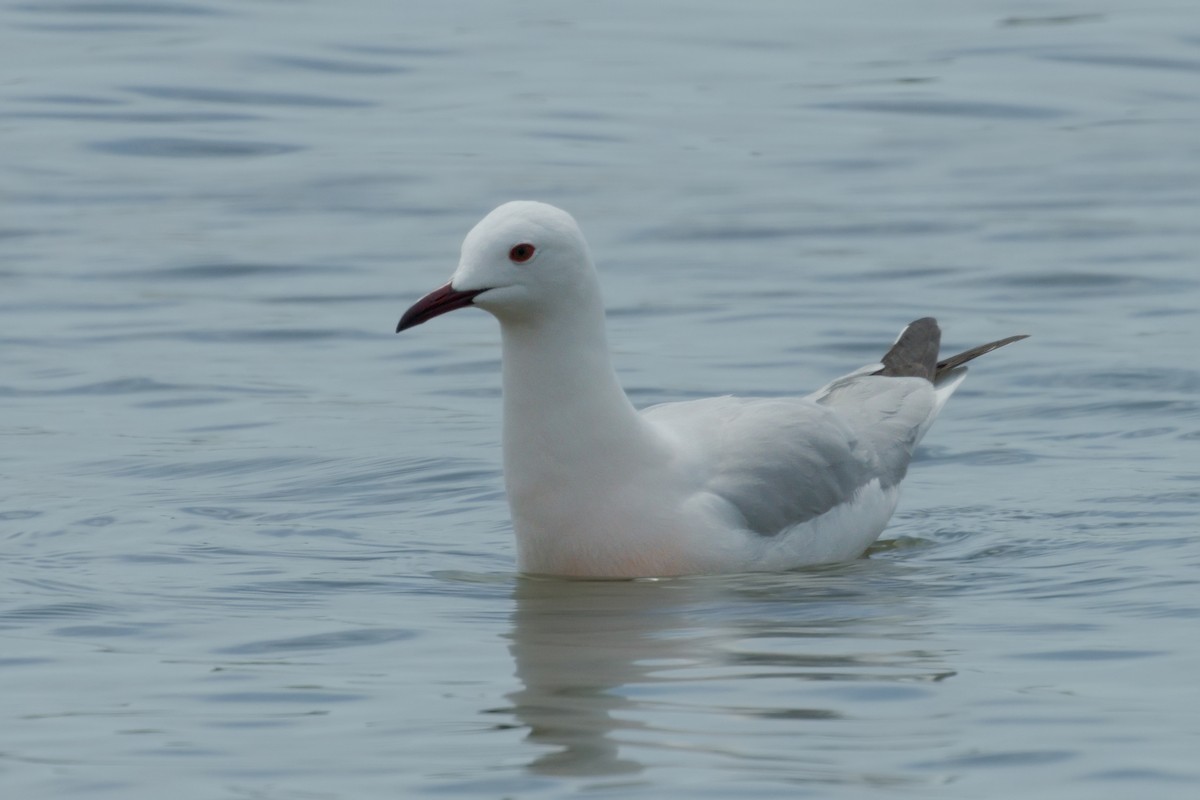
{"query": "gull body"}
[(727, 484)]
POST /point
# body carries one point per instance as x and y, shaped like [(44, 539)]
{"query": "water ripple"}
[(119, 8), (244, 97), (51, 611), (134, 386), (336, 66), (948, 108), (1126, 61), (178, 147), (301, 696), (130, 117), (333, 640), (224, 271)]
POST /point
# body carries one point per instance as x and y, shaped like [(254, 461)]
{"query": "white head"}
[(522, 261)]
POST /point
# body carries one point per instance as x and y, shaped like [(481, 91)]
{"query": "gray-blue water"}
[(254, 545)]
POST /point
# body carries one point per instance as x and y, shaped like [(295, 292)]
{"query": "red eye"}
[(521, 253)]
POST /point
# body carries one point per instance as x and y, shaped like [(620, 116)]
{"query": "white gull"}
[(725, 484)]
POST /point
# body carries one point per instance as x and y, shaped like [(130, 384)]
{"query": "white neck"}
[(565, 413), (572, 439)]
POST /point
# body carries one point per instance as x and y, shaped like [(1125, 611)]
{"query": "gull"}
[(598, 489)]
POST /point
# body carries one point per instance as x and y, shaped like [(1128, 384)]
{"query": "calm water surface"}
[(255, 546)]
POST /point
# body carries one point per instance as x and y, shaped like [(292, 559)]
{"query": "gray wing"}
[(892, 414), (781, 462)]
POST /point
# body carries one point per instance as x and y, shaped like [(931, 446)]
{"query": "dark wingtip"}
[(915, 353), (946, 365)]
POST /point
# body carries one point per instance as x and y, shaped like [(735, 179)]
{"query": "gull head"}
[(523, 261)]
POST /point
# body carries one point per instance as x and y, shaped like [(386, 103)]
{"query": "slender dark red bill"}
[(439, 301)]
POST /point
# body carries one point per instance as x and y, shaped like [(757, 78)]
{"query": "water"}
[(255, 545)]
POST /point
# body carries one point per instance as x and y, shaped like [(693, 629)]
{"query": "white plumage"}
[(725, 484)]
